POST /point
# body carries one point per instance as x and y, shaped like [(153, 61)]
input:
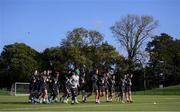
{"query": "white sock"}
[(76, 99), (107, 99)]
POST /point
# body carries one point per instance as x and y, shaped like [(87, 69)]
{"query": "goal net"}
[(20, 89)]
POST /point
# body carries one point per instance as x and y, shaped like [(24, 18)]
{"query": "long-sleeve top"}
[(74, 81)]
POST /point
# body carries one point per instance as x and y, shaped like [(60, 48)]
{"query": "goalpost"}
[(20, 89)]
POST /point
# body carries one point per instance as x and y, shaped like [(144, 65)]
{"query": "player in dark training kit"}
[(45, 85), (128, 85), (101, 86), (33, 87), (95, 88), (54, 82), (111, 86), (83, 84)]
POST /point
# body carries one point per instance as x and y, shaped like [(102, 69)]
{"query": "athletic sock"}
[(107, 99), (41, 100), (76, 100), (96, 100)]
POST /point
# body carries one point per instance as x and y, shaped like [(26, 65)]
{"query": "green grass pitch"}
[(141, 103)]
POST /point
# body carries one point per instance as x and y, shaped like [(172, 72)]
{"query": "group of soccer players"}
[(45, 86), (40, 84)]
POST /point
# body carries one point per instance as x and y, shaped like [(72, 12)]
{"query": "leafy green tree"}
[(53, 57), (18, 61), (76, 42), (106, 55), (164, 57), (86, 47)]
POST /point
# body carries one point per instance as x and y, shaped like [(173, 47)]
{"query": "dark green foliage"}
[(18, 61), (86, 47), (164, 58)]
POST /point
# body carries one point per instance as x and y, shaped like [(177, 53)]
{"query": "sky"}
[(44, 23)]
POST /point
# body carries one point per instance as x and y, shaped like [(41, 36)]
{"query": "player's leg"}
[(123, 91), (112, 93), (130, 95), (127, 94), (92, 90), (123, 97), (97, 96), (76, 92), (57, 95), (84, 96), (73, 95), (107, 94), (64, 93), (46, 96), (67, 94)]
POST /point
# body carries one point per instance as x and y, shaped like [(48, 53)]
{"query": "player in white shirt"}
[(74, 82)]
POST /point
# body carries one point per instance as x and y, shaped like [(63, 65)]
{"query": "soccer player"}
[(55, 87), (106, 85), (112, 86), (43, 88), (101, 86), (33, 86), (95, 88), (123, 88), (74, 81), (128, 85), (82, 82), (66, 86)]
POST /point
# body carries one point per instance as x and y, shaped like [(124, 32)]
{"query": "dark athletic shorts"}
[(112, 90), (94, 87), (128, 88), (101, 88), (123, 89)]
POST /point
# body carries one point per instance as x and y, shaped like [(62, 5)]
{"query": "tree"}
[(18, 63), (53, 57), (106, 55), (131, 31), (164, 58), (76, 43)]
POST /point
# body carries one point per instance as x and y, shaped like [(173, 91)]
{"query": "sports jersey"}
[(101, 80), (94, 79), (74, 81), (128, 81)]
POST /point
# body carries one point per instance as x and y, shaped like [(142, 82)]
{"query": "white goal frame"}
[(14, 89)]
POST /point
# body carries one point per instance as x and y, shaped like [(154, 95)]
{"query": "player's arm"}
[(78, 82), (131, 75)]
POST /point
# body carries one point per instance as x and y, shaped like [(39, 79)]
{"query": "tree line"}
[(152, 64)]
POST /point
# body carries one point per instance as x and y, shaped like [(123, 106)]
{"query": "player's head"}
[(97, 71), (125, 75), (44, 72), (35, 72), (57, 74), (113, 77)]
